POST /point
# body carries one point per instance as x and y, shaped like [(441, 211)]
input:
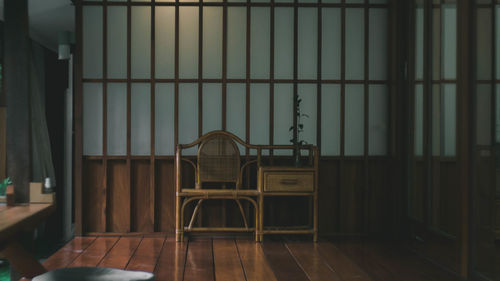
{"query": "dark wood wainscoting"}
[(124, 195)]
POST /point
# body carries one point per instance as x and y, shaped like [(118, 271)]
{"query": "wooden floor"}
[(242, 259)]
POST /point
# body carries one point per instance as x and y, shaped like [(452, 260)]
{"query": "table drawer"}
[(288, 182)]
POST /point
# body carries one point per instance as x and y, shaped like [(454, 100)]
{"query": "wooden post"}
[(16, 78)]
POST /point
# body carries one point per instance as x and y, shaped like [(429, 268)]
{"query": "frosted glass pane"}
[(165, 42), (419, 43), (212, 107), (116, 115), (497, 47), (355, 38), (244, 1), (117, 42), (92, 119), (330, 120), (212, 0), (483, 110), (283, 43), (309, 106), (92, 41), (378, 1), (419, 120), (259, 114), (484, 44), (164, 119), (236, 111), (449, 119), (259, 1), (188, 42), (354, 120), (212, 42), (449, 52), (140, 119), (307, 43), (283, 116), (436, 120), (236, 42), (330, 1), (259, 42), (378, 44), (354, 1), (436, 44), (378, 120), (141, 43), (308, 1), (188, 116), (331, 43)]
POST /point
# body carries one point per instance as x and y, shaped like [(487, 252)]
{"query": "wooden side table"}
[(288, 181)]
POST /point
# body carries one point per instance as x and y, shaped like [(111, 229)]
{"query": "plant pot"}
[(297, 157), (3, 199)]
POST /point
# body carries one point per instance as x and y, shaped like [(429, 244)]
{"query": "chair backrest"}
[(218, 161)]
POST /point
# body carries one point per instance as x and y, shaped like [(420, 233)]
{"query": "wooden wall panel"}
[(328, 196), (352, 183), (118, 215), (417, 196), (165, 196), (142, 197), (449, 200), (379, 202), (94, 196)]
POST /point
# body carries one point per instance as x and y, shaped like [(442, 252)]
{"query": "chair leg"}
[(195, 213), (178, 217), (242, 213)]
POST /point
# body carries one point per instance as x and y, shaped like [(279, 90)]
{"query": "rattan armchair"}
[(218, 161)]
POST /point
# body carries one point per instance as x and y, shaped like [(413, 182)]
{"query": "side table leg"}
[(22, 261)]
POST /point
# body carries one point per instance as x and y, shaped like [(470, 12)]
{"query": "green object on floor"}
[(4, 272)]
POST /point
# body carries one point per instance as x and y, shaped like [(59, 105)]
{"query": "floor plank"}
[(355, 251), (93, 255), (121, 253), (339, 262), (309, 259), (199, 263), (170, 266), (254, 261), (146, 255), (227, 262), (282, 263), (67, 254)]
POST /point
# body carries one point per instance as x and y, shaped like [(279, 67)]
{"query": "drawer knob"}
[(289, 181)]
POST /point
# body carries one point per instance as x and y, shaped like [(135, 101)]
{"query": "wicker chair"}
[(218, 161)]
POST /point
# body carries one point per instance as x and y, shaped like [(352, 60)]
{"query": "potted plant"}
[(296, 141), (3, 188)]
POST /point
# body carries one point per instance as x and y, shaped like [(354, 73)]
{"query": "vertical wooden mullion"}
[(366, 191), (153, 203), (129, 106), (78, 120), (247, 80), (224, 64), (271, 77), (295, 69), (318, 78), (411, 101), (428, 21), (106, 191), (176, 70), (342, 111), (200, 69)]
